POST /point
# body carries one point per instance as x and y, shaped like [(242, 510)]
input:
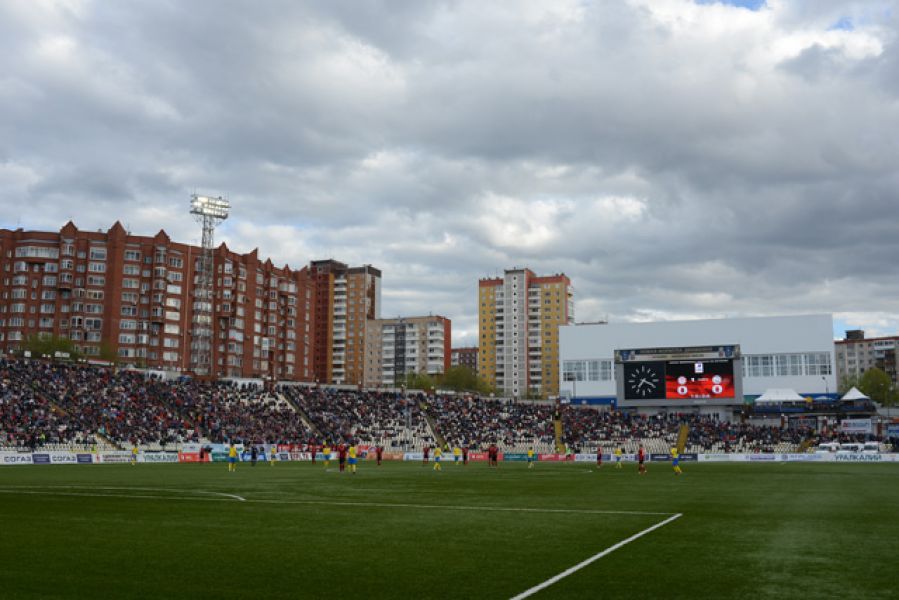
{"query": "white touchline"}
[(593, 558)]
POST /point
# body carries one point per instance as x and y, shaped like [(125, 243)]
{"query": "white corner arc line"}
[(593, 558)]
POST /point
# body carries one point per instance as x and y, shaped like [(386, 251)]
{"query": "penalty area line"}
[(594, 558)]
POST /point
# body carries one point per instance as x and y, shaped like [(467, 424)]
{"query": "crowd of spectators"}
[(591, 428), (471, 421), (54, 403), (46, 403), (369, 418)]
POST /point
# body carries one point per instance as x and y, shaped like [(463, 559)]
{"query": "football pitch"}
[(297, 530)]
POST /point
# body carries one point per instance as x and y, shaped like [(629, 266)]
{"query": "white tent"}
[(779, 395), (854, 394)]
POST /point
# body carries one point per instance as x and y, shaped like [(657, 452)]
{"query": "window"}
[(36, 252), (129, 311), (96, 280), (175, 262), (132, 255), (128, 324), (172, 328), (94, 324), (126, 338), (131, 270), (129, 297), (97, 253), (130, 283), (96, 267), (818, 363), (17, 307)]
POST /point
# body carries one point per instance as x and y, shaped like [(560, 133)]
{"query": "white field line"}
[(230, 497), (124, 489), (593, 558)]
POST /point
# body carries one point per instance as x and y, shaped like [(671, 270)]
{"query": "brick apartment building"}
[(344, 299), (133, 296), (465, 357)]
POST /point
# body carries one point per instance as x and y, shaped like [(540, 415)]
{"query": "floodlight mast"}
[(208, 212)]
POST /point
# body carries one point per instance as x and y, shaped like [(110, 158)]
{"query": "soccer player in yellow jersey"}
[(457, 454), (618, 455), (326, 451), (352, 457), (272, 455), (134, 453), (232, 458), (675, 461), (530, 458), (437, 453)]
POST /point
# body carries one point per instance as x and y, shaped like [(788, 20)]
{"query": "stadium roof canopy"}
[(854, 394), (778, 395)]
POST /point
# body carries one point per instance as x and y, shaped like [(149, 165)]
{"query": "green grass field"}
[(404, 531)]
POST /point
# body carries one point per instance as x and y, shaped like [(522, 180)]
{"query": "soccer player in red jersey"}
[(341, 456), (599, 458), (311, 448), (641, 459), (379, 453), (424, 456), (464, 455)]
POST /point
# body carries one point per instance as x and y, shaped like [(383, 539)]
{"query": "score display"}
[(679, 379), (699, 379)]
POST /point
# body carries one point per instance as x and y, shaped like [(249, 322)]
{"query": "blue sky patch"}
[(845, 23), (749, 4)]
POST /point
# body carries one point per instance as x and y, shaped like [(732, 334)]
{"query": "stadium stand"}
[(71, 406), (478, 422), (369, 418)]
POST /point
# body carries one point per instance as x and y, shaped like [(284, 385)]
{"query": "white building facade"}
[(794, 352)]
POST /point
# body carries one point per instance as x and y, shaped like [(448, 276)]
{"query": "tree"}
[(49, 345), (876, 384), (848, 382), (419, 381)]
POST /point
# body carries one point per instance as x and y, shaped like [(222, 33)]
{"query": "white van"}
[(827, 448), (871, 448), (853, 447)]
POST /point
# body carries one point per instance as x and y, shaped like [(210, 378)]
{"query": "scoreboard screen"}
[(699, 379), (681, 375)]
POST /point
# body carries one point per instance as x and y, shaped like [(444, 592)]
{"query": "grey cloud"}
[(387, 133)]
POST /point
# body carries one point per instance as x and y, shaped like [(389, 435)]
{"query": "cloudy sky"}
[(676, 159)]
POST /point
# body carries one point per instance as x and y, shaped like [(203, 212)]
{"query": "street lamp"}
[(826, 387)]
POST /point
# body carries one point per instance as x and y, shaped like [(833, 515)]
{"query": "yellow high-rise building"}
[(519, 316)]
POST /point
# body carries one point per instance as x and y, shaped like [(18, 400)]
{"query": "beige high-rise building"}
[(519, 316), (395, 347)]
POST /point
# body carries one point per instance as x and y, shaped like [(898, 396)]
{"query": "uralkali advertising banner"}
[(856, 426)]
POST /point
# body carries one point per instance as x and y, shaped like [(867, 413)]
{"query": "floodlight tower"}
[(209, 212)]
